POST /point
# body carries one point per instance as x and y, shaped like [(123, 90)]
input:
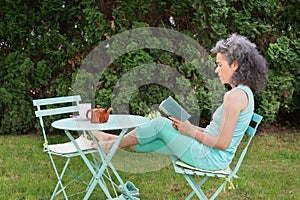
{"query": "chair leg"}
[(59, 178), (196, 187)]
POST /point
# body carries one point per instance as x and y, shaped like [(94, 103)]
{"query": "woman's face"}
[(224, 70)]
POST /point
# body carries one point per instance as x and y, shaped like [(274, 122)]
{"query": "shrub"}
[(44, 43)]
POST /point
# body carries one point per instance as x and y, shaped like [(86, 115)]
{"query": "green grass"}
[(271, 170)]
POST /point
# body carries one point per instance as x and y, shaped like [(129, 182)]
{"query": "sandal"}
[(131, 189)]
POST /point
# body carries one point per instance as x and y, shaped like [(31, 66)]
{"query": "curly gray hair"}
[(252, 70)]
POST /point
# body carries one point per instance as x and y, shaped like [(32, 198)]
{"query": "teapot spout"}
[(107, 114), (109, 110)]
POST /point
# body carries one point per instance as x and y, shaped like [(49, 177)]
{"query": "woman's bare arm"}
[(234, 102)]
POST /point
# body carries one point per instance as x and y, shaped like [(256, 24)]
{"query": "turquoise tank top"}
[(220, 159)]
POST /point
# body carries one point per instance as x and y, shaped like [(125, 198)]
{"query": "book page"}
[(171, 108)]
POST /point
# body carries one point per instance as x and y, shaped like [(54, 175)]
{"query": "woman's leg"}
[(102, 136), (160, 136), (107, 140), (157, 136), (155, 146)]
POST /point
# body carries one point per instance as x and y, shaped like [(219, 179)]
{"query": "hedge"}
[(44, 44)]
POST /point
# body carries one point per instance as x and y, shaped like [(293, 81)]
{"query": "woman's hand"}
[(185, 128)]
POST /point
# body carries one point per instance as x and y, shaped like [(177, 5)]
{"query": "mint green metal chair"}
[(190, 173), (58, 106)]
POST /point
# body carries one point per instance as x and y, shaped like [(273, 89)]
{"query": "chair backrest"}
[(255, 121), (251, 130), (71, 105)]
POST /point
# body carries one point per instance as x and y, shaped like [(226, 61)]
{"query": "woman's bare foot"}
[(102, 136), (105, 145), (106, 141)]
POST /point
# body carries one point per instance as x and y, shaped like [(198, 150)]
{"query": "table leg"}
[(107, 163), (91, 168)]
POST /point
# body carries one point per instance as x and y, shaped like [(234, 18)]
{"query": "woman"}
[(240, 65)]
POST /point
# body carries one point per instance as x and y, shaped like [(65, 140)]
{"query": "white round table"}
[(115, 122)]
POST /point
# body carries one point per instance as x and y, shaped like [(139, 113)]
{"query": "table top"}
[(115, 122)]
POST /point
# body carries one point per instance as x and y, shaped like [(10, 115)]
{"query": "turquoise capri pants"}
[(160, 136)]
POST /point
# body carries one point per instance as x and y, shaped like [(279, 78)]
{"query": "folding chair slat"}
[(56, 100), (220, 176), (178, 169), (190, 173), (199, 173), (56, 111)]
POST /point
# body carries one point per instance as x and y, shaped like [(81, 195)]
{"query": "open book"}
[(171, 108)]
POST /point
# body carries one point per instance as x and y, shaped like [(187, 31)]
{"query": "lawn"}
[(271, 170)]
